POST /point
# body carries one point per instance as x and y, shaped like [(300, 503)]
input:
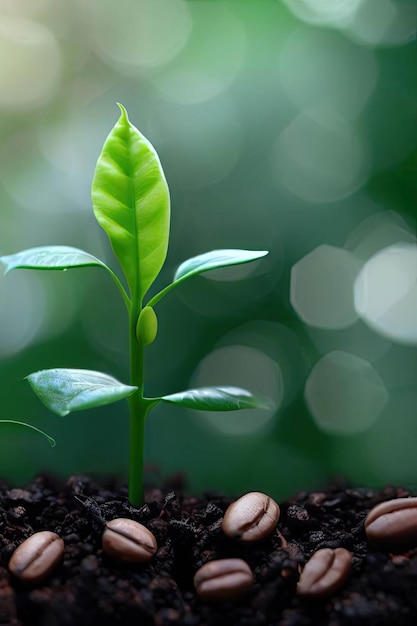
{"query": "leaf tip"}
[(123, 111)]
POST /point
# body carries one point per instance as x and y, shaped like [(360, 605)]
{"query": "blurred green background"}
[(281, 125)]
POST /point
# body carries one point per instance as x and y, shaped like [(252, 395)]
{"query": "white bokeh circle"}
[(385, 292), (322, 287)]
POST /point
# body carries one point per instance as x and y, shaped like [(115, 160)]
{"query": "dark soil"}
[(89, 588)]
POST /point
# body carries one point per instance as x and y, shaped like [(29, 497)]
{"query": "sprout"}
[(131, 203)]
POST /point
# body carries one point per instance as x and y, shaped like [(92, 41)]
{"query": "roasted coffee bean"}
[(224, 579), (324, 573), (37, 556), (392, 522), (128, 540), (251, 518)]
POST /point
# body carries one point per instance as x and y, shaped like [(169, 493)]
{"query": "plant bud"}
[(252, 517), (224, 579), (392, 522), (36, 557), (324, 573), (128, 540), (147, 326)]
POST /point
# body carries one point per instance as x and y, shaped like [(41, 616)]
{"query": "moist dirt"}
[(89, 588)]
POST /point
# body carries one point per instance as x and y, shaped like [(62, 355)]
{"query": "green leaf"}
[(57, 258), (217, 399), (213, 260), (65, 390), (50, 258), (131, 203), (216, 259), (51, 440)]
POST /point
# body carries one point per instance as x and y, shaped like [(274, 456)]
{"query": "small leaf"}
[(213, 260), (51, 440), (216, 259), (65, 390), (217, 399), (50, 258), (131, 203)]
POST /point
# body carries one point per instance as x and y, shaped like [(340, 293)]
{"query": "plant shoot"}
[(131, 203)]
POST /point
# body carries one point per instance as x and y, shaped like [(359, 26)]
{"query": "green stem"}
[(158, 296), (138, 409)]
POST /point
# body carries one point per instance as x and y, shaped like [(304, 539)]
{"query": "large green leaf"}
[(213, 260), (65, 390), (217, 399), (131, 203), (50, 439), (50, 258)]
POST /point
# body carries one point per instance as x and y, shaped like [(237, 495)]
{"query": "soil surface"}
[(90, 588)]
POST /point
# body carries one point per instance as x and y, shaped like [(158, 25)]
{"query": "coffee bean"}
[(128, 540), (224, 579), (251, 518), (37, 556), (392, 522), (324, 573)]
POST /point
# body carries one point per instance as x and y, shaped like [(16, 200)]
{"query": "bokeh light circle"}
[(344, 393), (385, 292), (320, 157), (321, 68), (144, 40), (322, 287), (281, 344), (199, 73), (248, 368)]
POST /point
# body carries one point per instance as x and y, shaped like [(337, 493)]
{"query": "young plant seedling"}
[(131, 203)]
